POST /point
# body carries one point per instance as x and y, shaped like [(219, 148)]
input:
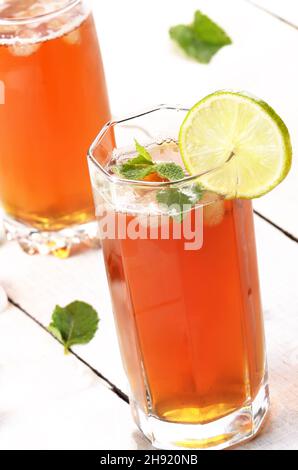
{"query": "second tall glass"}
[(54, 98)]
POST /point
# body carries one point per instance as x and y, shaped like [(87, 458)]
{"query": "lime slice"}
[(240, 140)]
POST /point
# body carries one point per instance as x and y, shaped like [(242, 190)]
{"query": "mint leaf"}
[(136, 168), (55, 332), (76, 323), (208, 31), (143, 152), (130, 171), (197, 192), (170, 171), (140, 160), (192, 46), (178, 201), (201, 39)]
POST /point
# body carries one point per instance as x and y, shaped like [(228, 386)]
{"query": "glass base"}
[(60, 243), (237, 427)]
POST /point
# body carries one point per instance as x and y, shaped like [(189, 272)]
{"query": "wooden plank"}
[(285, 9), (144, 68), (39, 283), (278, 263), (52, 401)]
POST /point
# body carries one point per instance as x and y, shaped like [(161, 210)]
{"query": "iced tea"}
[(55, 100), (189, 319)]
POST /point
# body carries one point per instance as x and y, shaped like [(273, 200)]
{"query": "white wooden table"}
[(52, 401)]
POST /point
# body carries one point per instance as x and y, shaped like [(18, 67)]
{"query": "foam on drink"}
[(29, 22)]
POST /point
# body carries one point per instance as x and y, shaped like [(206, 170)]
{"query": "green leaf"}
[(208, 31), (192, 46), (142, 151), (55, 332), (131, 171), (76, 323), (170, 171), (197, 191), (136, 168), (176, 201), (180, 201), (201, 39), (140, 160)]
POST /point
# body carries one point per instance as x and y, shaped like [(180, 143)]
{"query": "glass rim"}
[(6, 21), (114, 179)]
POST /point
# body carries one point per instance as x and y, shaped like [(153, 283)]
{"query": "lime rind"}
[(268, 166)]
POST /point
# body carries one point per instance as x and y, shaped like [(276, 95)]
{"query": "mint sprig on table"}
[(175, 199), (76, 323), (201, 39)]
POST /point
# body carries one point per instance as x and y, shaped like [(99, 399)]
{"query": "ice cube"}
[(8, 30), (214, 209), (56, 24), (24, 50), (167, 151), (73, 38)]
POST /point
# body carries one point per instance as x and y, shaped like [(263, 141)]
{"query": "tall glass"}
[(185, 294), (53, 99)]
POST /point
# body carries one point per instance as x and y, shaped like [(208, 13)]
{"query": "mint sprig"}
[(76, 323), (201, 39), (177, 201), (142, 165)]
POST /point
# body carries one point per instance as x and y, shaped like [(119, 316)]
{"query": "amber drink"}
[(54, 99), (188, 312)]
